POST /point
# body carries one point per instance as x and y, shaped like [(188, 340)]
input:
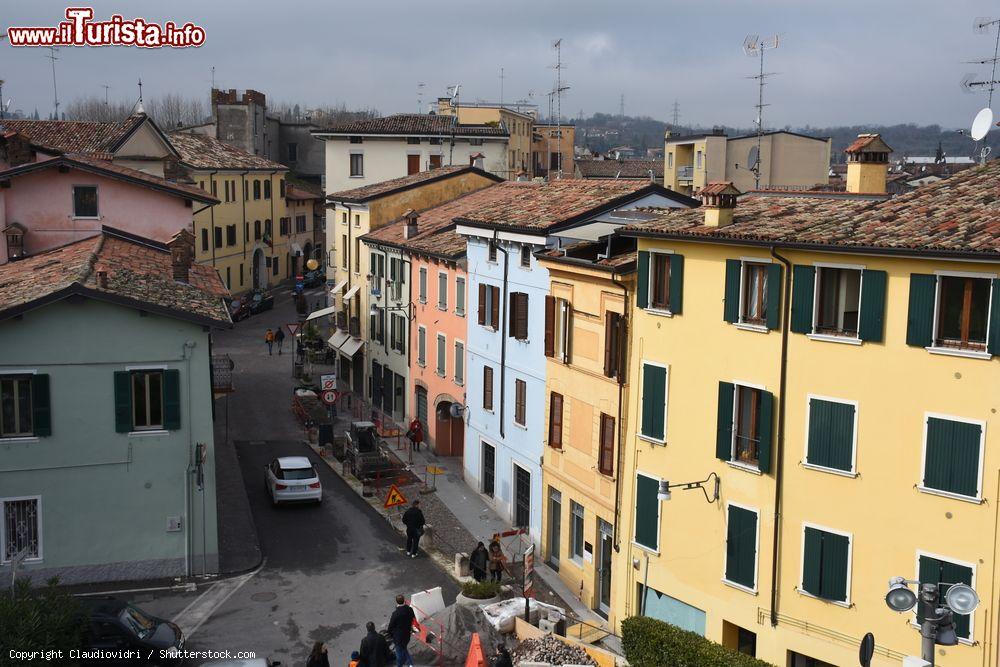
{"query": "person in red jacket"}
[(416, 434)]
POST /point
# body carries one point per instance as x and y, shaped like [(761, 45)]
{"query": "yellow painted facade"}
[(865, 177), (519, 125), (231, 234), (580, 541), (890, 521)]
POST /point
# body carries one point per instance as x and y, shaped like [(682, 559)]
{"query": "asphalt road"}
[(328, 568)]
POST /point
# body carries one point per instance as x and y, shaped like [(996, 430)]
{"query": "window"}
[(434, 161), (246, 190), (558, 314), (518, 318), (274, 266), (397, 333), (267, 188), (283, 227), (24, 406), (460, 296), (442, 291), (357, 165), (753, 293), (412, 164), (230, 234), (953, 450), (21, 528), (85, 201), (654, 402), (356, 140), (826, 558), (357, 255), (228, 277), (845, 303), (300, 224), (647, 512), (670, 160), (741, 547), (526, 256), (576, 531), (459, 362), (491, 253), (293, 151), (422, 285), (520, 401), (963, 308), (615, 342), (241, 275), (413, 141), (441, 361), (555, 420), (744, 431), (606, 455), (147, 400), (753, 304), (660, 282), (697, 163), (343, 251), (422, 346), (256, 188), (435, 141), (343, 217), (838, 301), (489, 306), (218, 237), (475, 142), (281, 187), (935, 570), (831, 434), (204, 239), (488, 388), (257, 233)]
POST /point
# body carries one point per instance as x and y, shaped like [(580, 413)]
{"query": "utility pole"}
[(501, 87), (676, 115), (754, 47), (621, 106), (557, 45), (55, 91)]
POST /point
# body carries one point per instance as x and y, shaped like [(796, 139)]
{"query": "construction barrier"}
[(476, 657)]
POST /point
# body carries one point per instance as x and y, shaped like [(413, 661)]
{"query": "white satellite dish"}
[(981, 124)]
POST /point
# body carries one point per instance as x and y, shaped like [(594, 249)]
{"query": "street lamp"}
[(663, 491), (408, 308), (938, 627)]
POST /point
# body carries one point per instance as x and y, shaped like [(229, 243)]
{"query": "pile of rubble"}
[(549, 650)]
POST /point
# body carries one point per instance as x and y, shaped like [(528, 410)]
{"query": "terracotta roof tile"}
[(619, 168), (394, 185), (200, 151), (414, 124), (719, 188), (301, 192), (871, 142), (73, 136)]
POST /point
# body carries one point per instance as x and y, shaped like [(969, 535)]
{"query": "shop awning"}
[(339, 286), (338, 339), (351, 347), (321, 312), (351, 292)]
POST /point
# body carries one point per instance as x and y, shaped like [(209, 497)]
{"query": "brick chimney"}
[(718, 199), (410, 230), (181, 247), (867, 165)]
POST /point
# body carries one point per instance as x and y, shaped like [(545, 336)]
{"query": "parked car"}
[(114, 624), (239, 308), (292, 479), (260, 301)]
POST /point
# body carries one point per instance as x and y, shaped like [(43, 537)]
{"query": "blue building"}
[(506, 354)]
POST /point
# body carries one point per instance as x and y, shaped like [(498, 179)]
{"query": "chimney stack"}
[(102, 279), (410, 230), (181, 247), (719, 201), (478, 160), (867, 165)]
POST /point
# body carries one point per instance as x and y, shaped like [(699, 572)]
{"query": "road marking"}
[(201, 609)]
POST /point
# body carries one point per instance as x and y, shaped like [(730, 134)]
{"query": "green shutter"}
[(123, 401), (41, 406), (920, 316), (934, 571), (803, 286), (766, 428), (741, 543), (993, 342), (833, 572), (171, 400), (724, 430), (654, 383), (731, 307), (928, 572), (642, 286), (872, 316), (812, 559), (831, 434), (646, 512), (676, 283), (773, 296), (951, 460)]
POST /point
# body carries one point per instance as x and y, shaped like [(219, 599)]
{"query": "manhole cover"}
[(263, 597)]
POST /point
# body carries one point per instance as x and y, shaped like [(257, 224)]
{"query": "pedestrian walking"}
[(479, 561), (502, 658), (279, 338), (400, 628), (269, 339), (414, 521), (318, 656), (415, 433), (497, 560), (375, 651)]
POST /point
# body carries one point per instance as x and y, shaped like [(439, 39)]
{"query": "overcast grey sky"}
[(845, 62)]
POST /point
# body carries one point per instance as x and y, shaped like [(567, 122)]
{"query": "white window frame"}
[(460, 296), (3, 536), (736, 410), (513, 490), (26, 437), (933, 348), (573, 557), (670, 160), (659, 512), (802, 563), (666, 400), (649, 283), (401, 327), (561, 342), (350, 164), (525, 251), (441, 343), (442, 300), (971, 641), (490, 325), (853, 472), (421, 346), (740, 324), (72, 201), (829, 338), (459, 361), (422, 285), (978, 499), (756, 551)]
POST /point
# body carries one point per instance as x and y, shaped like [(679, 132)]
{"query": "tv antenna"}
[(138, 105), (2, 107), (983, 121), (420, 96), (55, 90), (106, 88), (754, 47), (501, 87), (559, 90), (621, 106)]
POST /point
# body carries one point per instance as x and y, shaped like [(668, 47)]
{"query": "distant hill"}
[(602, 132)]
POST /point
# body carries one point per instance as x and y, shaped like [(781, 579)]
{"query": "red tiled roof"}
[(719, 188), (138, 273), (392, 186), (620, 168), (414, 124), (301, 192), (958, 216), (200, 151), (73, 136), (872, 142)]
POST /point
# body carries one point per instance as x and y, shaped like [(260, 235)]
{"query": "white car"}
[(292, 479)]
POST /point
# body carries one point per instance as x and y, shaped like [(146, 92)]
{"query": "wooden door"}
[(442, 429), (412, 164), (435, 161)]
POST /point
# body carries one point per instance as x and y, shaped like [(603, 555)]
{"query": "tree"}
[(45, 619)]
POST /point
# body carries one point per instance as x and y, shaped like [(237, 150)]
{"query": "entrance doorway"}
[(555, 527), (259, 270), (412, 164), (604, 551), (449, 432), (489, 471), (421, 399), (522, 497)]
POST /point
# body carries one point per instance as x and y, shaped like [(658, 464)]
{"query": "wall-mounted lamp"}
[(663, 492), (408, 308)]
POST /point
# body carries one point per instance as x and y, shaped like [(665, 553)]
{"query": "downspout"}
[(503, 334), (246, 225), (189, 549), (780, 449), (622, 365), (271, 177), (211, 214)]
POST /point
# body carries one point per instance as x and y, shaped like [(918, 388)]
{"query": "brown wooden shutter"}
[(482, 303), (550, 320), (605, 462), (495, 311), (512, 315), (518, 316), (610, 336), (487, 388), (519, 400), (555, 420)]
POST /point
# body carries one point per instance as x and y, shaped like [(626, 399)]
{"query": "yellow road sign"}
[(436, 470), (394, 498)]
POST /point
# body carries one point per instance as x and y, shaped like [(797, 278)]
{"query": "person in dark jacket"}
[(502, 658), (414, 521), (375, 650), (400, 628), (279, 338), (498, 562), (318, 656), (478, 561), (415, 433)]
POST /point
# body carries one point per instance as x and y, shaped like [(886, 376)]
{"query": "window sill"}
[(440, 374), (459, 383), (149, 433), (523, 427), (655, 551), (839, 603), (744, 467), (834, 471), (356, 176), (834, 339), (949, 494), (424, 301), (27, 561), (659, 311), (651, 440), (443, 309), (15, 439), (422, 364), (576, 560), (759, 328), (954, 352), (739, 587), (85, 217), (459, 313)]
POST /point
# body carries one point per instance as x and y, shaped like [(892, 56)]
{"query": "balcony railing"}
[(685, 173)]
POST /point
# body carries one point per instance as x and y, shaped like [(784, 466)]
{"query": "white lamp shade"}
[(663, 492)]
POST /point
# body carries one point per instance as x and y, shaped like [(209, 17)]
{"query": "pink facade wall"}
[(453, 326), (43, 203)]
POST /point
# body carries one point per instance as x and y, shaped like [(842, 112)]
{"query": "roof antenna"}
[(138, 105), (55, 90), (754, 47), (558, 91), (983, 121)]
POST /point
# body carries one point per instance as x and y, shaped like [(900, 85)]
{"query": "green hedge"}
[(652, 643)]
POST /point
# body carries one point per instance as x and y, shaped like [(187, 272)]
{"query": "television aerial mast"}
[(754, 47), (983, 121), (558, 91)]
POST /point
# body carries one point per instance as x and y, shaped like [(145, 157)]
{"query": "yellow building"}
[(585, 339), (519, 124), (832, 361), (245, 236), (304, 223), (353, 213), (552, 150)]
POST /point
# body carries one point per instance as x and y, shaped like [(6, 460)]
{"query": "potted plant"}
[(478, 592)]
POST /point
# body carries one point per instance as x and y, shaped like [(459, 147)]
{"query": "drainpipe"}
[(246, 228), (271, 178), (211, 218), (622, 365), (503, 334), (189, 548), (780, 449)]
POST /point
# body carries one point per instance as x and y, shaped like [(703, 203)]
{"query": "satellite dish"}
[(753, 158), (981, 124)]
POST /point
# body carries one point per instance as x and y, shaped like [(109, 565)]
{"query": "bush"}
[(39, 620), (652, 643), (480, 590)]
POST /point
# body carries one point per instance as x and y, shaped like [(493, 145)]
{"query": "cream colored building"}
[(552, 150), (519, 125)]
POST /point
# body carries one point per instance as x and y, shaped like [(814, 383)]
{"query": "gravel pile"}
[(551, 650)]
